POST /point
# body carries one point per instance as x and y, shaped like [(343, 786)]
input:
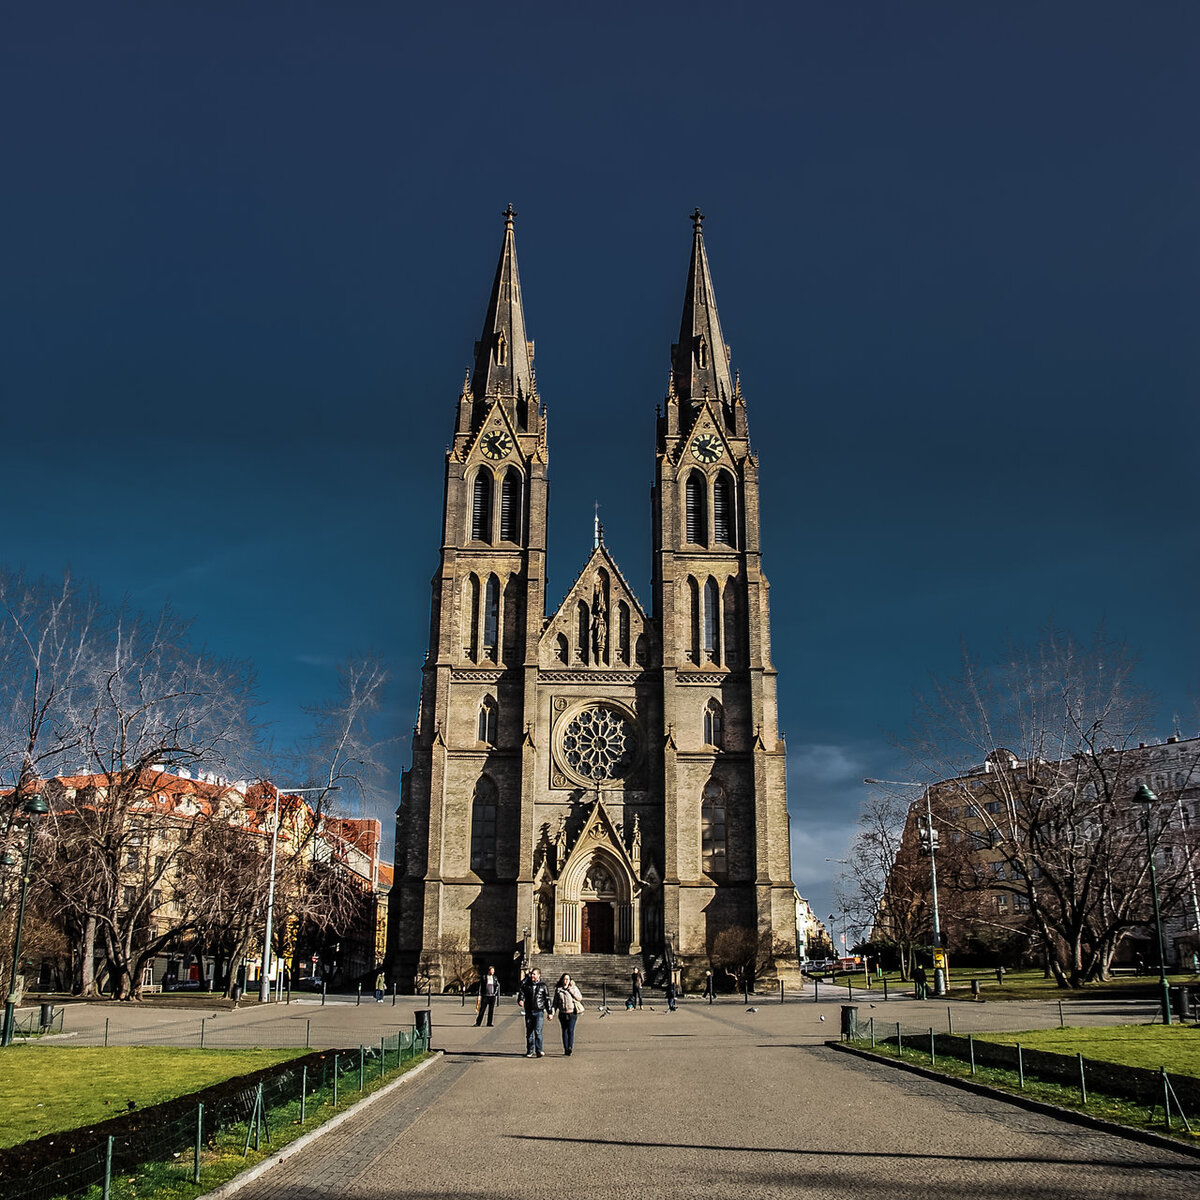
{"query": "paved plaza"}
[(710, 1101)]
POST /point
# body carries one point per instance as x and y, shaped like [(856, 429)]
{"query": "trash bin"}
[(1181, 1002), (422, 1018), (849, 1022), (974, 989), (46, 1018)]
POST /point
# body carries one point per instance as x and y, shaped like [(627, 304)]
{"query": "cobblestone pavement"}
[(704, 1103)]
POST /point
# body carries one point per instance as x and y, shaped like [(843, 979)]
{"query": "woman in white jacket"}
[(568, 1003)]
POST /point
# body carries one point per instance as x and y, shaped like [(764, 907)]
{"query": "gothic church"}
[(602, 785)]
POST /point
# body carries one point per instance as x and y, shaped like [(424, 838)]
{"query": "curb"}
[(1039, 1106), (230, 1186)]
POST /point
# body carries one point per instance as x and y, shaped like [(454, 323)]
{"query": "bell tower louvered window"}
[(694, 620), (696, 501), (491, 616), (470, 618), (481, 508), (510, 507), (724, 512)]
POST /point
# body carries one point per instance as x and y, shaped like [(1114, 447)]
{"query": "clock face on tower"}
[(496, 444), (706, 448)]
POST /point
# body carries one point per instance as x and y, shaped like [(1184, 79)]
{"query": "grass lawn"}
[(48, 1089), (1176, 1047)]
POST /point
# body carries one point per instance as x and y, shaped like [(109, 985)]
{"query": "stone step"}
[(589, 971)]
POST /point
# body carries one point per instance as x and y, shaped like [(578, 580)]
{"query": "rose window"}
[(599, 744)]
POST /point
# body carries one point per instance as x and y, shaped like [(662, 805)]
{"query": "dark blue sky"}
[(247, 249)]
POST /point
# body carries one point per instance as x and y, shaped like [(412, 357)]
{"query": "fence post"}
[(949, 1020), (603, 996), (395, 989), (932, 1049), (899, 1042), (1061, 1023), (362, 1067), (202, 1020), (303, 1092), (1020, 1068), (199, 1142), (105, 1031), (885, 995), (308, 1033), (1082, 1081), (971, 1051), (324, 986), (781, 991), (335, 1080), (358, 1000), (107, 1169), (872, 1024), (382, 1059), (816, 989)]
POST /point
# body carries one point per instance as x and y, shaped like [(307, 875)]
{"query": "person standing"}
[(489, 992), (919, 981), (672, 992), (534, 1000), (710, 991), (568, 1003), (380, 984), (635, 994)]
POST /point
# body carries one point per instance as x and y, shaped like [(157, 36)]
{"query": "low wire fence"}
[(1079, 1082), (196, 1139)]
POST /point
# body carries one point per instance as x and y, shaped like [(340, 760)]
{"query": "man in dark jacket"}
[(534, 998), (489, 990)]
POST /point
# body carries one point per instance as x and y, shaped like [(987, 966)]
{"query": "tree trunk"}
[(88, 987)]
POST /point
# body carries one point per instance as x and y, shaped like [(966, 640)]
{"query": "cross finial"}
[(697, 220), (508, 215)]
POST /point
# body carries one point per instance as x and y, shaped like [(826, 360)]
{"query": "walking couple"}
[(534, 998)]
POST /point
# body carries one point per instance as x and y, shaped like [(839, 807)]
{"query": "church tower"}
[(601, 785)]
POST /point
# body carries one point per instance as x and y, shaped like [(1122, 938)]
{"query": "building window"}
[(1020, 903), (694, 639), (995, 807), (483, 827), (491, 616), (501, 350), (583, 632), (1001, 901), (724, 515), (481, 508), (623, 631), (714, 724), (486, 732), (470, 618), (712, 828), (733, 632), (696, 500), (510, 507), (712, 617)]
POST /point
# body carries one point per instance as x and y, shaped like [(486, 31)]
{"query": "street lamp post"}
[(1145, 796), (939, 973), (264, 983), (34, 807)]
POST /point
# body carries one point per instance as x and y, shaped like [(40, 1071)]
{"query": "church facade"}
[(603, 784)]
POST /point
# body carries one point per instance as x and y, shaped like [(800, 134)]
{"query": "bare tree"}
[(1039, 759)]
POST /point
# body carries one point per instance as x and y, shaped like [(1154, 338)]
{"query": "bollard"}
[(324, 986), (358, 1001), (395, 989), (949, 1021), (463, 1001), (781, 991), (603, 996), (1061, 1023), (1020, 1068), (745, 992), (885, 995), (106, 1031), (202, 1020), (199, 1143), (816, 990), (308, 1033)]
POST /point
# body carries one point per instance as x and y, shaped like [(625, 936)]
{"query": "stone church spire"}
[(503, 356), (700, 359)]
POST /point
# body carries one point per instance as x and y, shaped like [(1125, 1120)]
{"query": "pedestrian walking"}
[(380, 984), (672, 992), (534, 1000), (489, 993), (920, 980), (635, 995), (568, 1003), (710, 991)]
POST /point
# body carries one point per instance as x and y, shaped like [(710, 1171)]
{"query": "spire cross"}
[(697, 219), (511, 212)]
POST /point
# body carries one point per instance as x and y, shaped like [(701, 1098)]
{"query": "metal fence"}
[(183, 1141)]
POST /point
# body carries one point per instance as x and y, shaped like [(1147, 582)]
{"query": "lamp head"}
[(1144, 796), (36, 806), (8, 859)]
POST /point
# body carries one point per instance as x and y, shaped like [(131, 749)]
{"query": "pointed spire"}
[(699, 363), (503, 356)]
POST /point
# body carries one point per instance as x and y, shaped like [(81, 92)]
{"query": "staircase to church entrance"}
[(589, 971)]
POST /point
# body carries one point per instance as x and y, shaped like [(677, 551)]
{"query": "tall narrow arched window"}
[(470, 618), (501, 350), (510, 506), (694, 620), (483, 827), (512, 609), (583, 632), (714, 724), (491, 616), (733, 624), (623, 631), (696, 504), (724, 510), (712, 619), (712, 828), (702, 354), (481, 507), (488, 717)]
